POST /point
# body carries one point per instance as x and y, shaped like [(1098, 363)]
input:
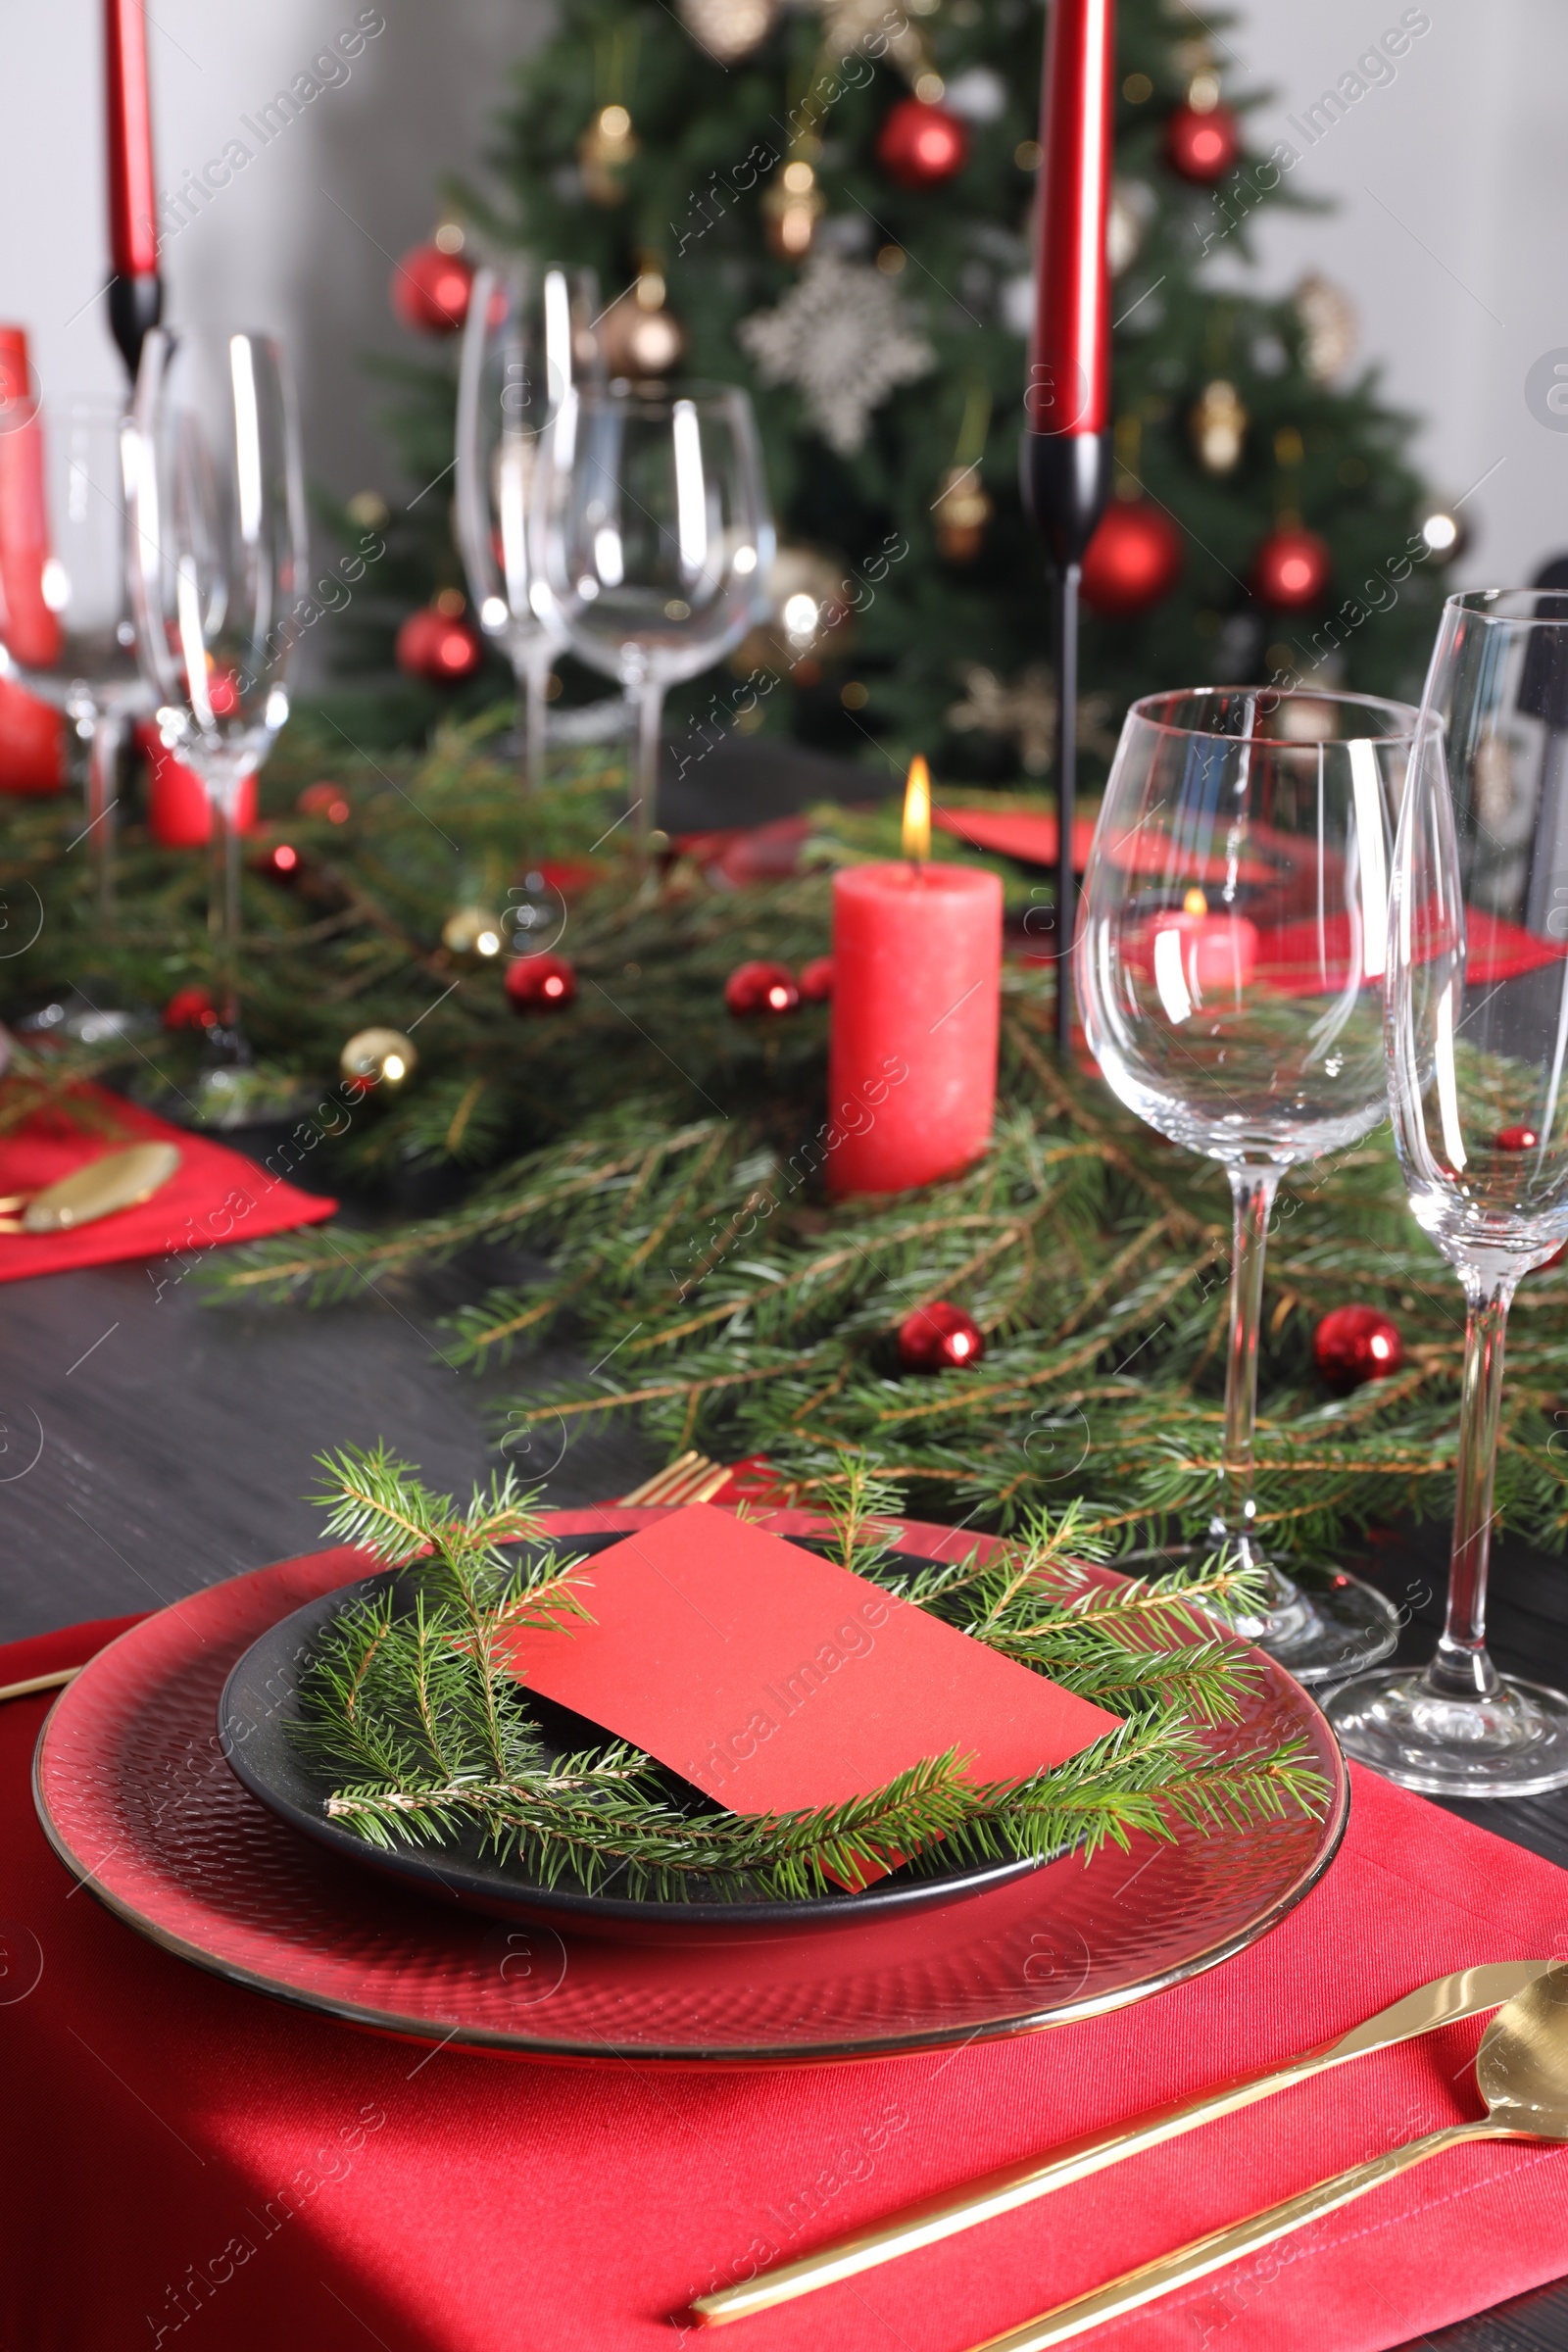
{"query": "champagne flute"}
[(1229, 965), (217, 563), (66, 632), (651, 541), (528, 339), (1476, 1027)]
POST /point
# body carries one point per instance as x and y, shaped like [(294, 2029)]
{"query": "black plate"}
[(259, 1703)]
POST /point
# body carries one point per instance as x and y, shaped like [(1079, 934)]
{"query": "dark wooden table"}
[(149, 1446)]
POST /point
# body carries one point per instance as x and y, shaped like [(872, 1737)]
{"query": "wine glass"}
[(216, 571), (1476, 1027), (651, 540), (528, 339), (1229, 964), (66, 632)]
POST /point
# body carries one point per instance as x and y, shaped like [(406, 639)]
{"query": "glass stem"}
[(1461, 1668), (222, 904), (1253, 1193), (650, 716), (103, 788), (537, 664)]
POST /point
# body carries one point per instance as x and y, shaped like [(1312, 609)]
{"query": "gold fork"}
[(693, 1478)]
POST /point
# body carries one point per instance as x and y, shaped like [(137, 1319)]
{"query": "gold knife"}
[(1466, 1993), (118, 1179)]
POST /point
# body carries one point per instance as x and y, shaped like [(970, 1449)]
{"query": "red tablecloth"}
[(187, 2164), (215, 1194)]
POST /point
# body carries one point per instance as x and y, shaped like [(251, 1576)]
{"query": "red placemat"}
[(214, 1195), (182, 2154)]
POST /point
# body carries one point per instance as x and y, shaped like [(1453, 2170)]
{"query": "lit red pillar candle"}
[(134, 292), (916, 1008), (1069, 374)]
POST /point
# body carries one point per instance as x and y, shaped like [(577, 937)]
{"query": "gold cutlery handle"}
[(994, 2193), (1222, 2246)]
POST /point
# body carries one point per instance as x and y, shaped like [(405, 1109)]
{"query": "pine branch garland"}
[(669, 1187)]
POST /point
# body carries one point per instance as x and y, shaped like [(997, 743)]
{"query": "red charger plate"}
[(136, 1797)]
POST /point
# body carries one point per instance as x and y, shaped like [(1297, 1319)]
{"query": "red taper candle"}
[(28, 625), (136, 295), (916, 1010), (132, 196), (31, 734), (1069, 372)]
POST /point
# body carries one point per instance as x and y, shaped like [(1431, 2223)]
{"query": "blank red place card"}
[(775, 1680)]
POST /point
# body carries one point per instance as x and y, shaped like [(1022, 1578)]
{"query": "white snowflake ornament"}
[(841, 338)]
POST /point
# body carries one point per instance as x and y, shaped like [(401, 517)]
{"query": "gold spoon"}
[(118, 1179), (1521, 2071)]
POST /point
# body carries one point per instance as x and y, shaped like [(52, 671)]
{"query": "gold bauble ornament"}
[(1331, 328), (806, 591), (1220, 424), (472, 933), (637, 335), (728, 30), (963, 507), (369, 511), (379, 1057), (1127, 218), (791, 210), (603, 151), (850, 25)]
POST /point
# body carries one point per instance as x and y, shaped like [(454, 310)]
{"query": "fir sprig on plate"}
[(410, 1711)]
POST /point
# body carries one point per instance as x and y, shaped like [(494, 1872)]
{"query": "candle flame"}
[(918, 811)]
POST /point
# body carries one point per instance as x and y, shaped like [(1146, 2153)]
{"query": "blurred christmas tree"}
[(832, 205)]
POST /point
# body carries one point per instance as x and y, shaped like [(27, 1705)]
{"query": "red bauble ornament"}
[(920, 146), (190, 1008), (279, 861), (816, 980), (180, 816), (430, 290), (1517, 1139), (1202, 147), (770, 988), (1356, 1343), (1133, 560), (438, 647), (325, 800), (940, 1338), (1291, 569), (540, 984)]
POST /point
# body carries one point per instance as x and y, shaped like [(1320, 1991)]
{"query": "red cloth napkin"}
[(181, 2153), (214, 1195), (1032, 835), (1304, 960)]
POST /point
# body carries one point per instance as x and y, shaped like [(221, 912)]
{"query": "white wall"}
[(1453, 183), (1451, 189), (302, 242)]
